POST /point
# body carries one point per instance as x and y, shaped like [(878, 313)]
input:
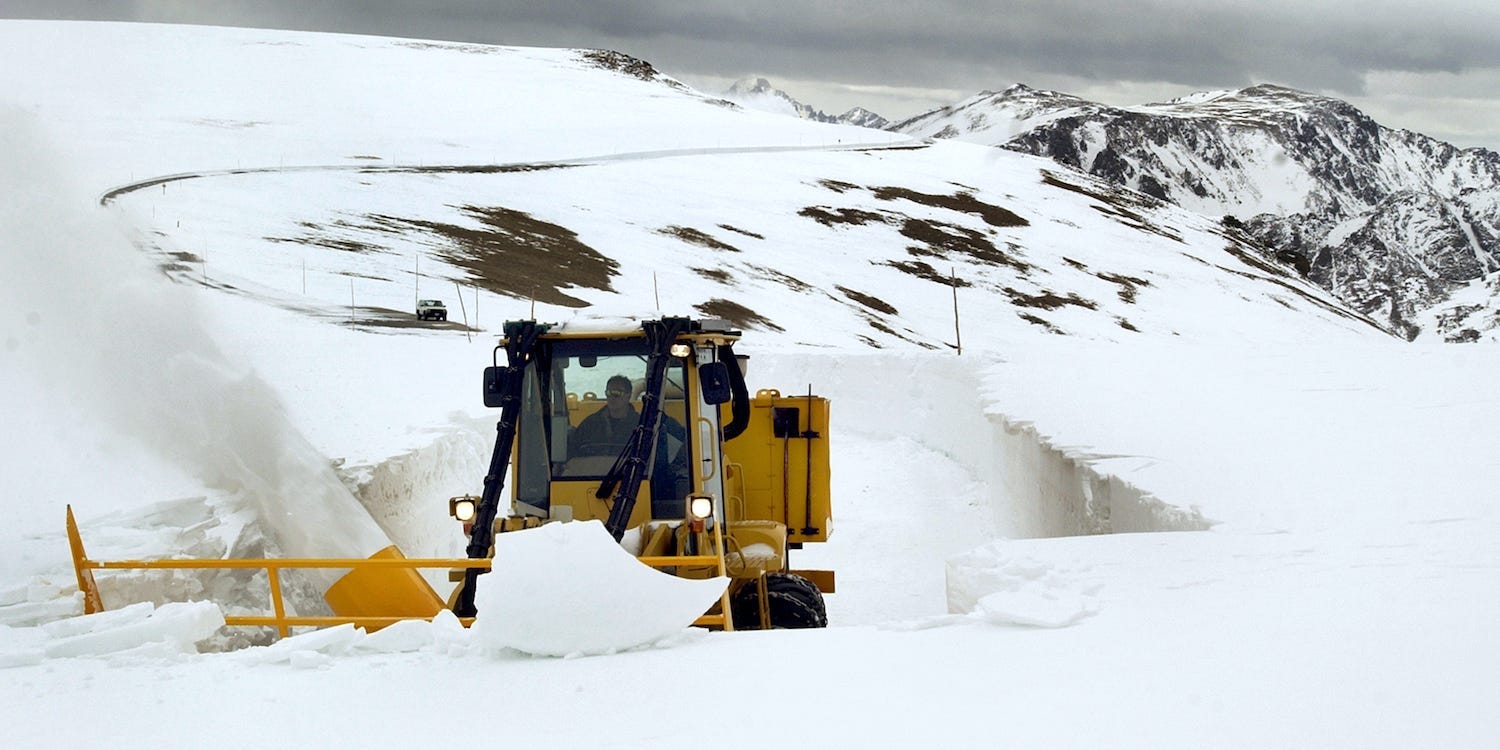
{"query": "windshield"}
[(582, 413)]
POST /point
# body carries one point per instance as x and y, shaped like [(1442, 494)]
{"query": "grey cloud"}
[(940, 44)]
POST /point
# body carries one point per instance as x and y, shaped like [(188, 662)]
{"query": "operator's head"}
[(617, 395)]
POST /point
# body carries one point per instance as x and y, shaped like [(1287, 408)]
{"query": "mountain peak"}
[(863, 118), (751, 85), (1020, 92), (1263, 97), (757, 93)]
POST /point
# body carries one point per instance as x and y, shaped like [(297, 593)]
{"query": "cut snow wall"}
[(1050, 493), (1035, 489), (407, 495)]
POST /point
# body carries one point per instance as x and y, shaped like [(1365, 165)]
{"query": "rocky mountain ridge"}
[(1394, 222)]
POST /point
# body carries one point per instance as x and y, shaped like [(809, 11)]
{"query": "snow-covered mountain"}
[(1394, 222), (770, 243), (759, 94), (863, 118)]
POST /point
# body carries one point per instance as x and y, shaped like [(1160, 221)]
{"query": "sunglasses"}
[(616, 393)]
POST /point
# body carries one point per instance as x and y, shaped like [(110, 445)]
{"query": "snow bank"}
[(1053, 492), (567, 588), (406, 494), (948, 403)]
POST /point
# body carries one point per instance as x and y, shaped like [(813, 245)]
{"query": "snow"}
[(536, 601), (1004, 588), (178, 626), (1255, 522)]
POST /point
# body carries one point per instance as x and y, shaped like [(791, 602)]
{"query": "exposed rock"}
[(1391, 221)]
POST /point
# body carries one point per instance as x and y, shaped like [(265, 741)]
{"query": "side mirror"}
[(494, 386), (713, 379)]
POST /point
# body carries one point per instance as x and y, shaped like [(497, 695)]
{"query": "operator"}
[(605, 432)]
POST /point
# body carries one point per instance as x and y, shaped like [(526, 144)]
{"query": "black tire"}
[(791, 582), (793, 601)]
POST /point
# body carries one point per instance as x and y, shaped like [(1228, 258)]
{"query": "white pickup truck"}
[(431, 309)]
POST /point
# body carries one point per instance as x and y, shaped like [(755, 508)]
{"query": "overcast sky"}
[(1433, 67)]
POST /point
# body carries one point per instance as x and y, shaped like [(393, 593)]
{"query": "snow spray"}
[(87, 315)]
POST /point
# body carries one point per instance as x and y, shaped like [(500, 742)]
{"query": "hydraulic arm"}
[(502, 387)]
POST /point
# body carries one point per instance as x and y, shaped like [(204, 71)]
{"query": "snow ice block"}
[(569, 588)]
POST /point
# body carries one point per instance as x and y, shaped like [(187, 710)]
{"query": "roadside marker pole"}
[(958, 336)]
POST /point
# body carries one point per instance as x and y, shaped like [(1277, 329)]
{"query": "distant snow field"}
[(1167, 494)]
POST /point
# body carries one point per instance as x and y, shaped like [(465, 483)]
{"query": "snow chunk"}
[(175, 627), (297, 649), (114, 618), (400, 637), (309, 660), (448, 634), (568, 589), (1003, 588), (12, 595)]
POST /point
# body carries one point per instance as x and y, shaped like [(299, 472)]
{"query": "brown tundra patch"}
[(868, 301), (961, 202), (828, 216), (518, 255), (737, 314), (697, 237), (1047, 300)]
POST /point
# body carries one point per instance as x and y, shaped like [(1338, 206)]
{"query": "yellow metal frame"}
[(723, 620), (279, 619), (93, 603)]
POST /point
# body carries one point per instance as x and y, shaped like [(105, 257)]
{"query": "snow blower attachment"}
[(375, 592), (621, 425)]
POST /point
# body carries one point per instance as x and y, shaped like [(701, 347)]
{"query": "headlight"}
[(700, 506), (463, 507), (680, 350)]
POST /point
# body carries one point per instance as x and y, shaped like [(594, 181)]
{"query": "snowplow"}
[(646, 428)]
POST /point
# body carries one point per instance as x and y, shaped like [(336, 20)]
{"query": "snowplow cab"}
[(649, 428)]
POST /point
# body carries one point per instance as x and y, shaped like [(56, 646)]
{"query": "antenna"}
[(655, 290)]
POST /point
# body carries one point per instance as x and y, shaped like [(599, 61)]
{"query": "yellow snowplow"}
[(646, 427)]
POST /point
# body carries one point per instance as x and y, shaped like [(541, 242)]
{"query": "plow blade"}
[(569, 588), (371, 591)]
